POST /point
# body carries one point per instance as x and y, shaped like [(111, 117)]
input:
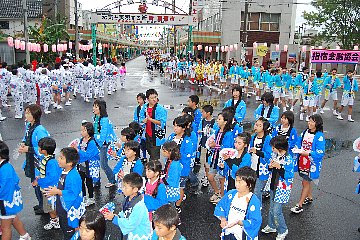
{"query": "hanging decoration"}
[(286, 48)]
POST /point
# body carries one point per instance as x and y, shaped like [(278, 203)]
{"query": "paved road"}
[(333, 215)]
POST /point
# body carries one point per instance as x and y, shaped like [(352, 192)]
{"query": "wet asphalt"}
[(334, 214)]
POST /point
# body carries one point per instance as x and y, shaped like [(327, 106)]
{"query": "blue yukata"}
[(10, 196), (71, 200), (291, 135), (250, 210), (89, 154), (271, 113), (172, 172), (154, 202), (186, 152), (240, 109), (197, 120), (133, 220)]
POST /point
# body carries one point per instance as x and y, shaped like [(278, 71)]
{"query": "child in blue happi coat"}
[(49, 174), (193, 102), (182, 136), (172, 170), (166, 220), (10, 197), (267, 109), (243, 159), (155, 190), (133, 220), (127, 134), (92, 225), (237, 103), (311, 144), (89, 163), (281, 178), (260, 151), (140, 138), (128, 163), (69, 203), (240, 210)]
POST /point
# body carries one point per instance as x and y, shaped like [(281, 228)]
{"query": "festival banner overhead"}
[(146, 18), (335, 56)]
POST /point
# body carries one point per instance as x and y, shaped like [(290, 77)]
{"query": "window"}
[(261, 21), (4, 25)]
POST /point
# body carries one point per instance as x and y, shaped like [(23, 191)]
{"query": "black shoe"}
[(178, 209), (308, 201), (97, 185), (39, 211), (358, 229), (266, 195), (37, 207)]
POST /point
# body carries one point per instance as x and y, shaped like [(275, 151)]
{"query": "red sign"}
[(335, 56)]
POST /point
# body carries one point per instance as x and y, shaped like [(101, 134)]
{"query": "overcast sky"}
[(183, 4)]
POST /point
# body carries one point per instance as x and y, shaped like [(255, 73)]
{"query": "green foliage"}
[(48, 32), (338, 20)]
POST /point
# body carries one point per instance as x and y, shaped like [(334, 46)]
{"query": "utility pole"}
[(173, 10), (245, 34), (26, 34), (56, 10), (77, 31), (190, 44)]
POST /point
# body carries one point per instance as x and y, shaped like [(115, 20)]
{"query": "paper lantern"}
[(210, 49), (265, 44), (22, 45), (356, 47), (312, 47), (320, 47), (29, 46), (65, 47), (53, 48), (217, 48), (46, 48), (10, 41), (70, 45), (277, 47), (286, 48), (236, 47), (231, 48), (222, 48), (206, 48), (337, 47), (226, 48), (303, 49), (255, 45), (17, 44), (199, 47)]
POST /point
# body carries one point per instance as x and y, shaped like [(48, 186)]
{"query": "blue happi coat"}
[(263, 161), (292, 137), (240, 110), (172, 181), (52, 174), (274, 115), (106, 134), (153, 203), (89, 152), (252, 221), (159, 131), (317, 153), (186, 152), (72, 198), (10, 190)]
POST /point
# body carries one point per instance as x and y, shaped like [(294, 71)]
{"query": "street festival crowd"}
[(241, 168)]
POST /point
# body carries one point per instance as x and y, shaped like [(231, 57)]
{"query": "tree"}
[(338, 20), (48, 32)]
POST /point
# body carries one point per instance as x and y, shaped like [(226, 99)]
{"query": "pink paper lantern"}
[(255, 45), (10, 41), (46, 48), (70, 45), (222, 48), (286, 48), (303, 49), (29, 46), (206, 48), (60, 47), (64, 46), (17, 44), (226, 48), (210, 49), (22, 45), (199, 47), (277, 47), (217, 48), (53, 48), (320, 47), (337, 47), (39, 47), (231, 48), (236, 47), (356, 47)]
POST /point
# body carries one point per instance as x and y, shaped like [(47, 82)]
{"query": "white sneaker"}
[(47, 112), (335, 113), (59, 107), (25, 237), (90, 201), (301, 116), (292, 109), (321, 110), (284, 109), (18, 117), (2, 118), (340, 117), (350, 119), (54, 223), (268, 229), (87, 100), (215, 196), (282, 235), (68, 104), (307, 118)]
